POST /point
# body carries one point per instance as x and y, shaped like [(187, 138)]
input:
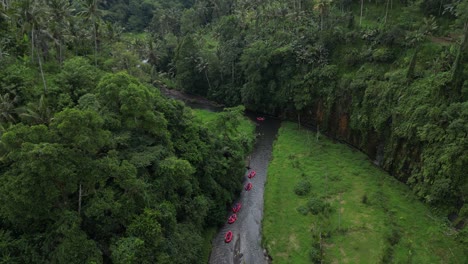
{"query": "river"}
[(245, 246)]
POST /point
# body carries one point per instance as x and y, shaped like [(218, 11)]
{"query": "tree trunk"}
[(386, 11), (412, 65), (42, 72), (95, 43), (232, 71), (318, 132), (457, 78), (79, 200), (32, 45), (360, 18), (321, 22), (61, 55), (440, 7), (208, 80), (299, 119)]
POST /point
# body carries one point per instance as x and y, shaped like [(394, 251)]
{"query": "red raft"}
[(232, 219), (236, 208), (260, 118), (228, 237), (248, 186), (252, 174)]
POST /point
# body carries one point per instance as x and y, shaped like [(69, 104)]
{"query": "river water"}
[(245, 246)]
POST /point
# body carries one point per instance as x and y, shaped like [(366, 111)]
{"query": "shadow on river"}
[(245, 246)]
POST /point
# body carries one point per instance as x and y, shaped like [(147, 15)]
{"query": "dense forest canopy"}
[(96, 166)]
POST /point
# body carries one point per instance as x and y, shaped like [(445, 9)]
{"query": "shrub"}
[(315, 255), (302, 188), (317, 206), (304, 210), (364, 199), (382, 55), (352, 57)]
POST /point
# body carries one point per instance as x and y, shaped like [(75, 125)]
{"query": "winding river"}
[(245, 246)]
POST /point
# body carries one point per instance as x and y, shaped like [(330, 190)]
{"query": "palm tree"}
[(61, 11), (36, 113), (428, 26), (31, 16), (202, 66), (7, 108), (460, 11), (322, 6), (362, 7), (92, 13)]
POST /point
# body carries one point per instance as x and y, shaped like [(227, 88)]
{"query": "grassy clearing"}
[(372, 218), (246, 127), (206, 116)]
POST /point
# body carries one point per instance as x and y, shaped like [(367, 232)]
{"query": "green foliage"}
[(125, 172), (77, 77), (304, 210), (126, 250), (97, 152), (302, 188), (382, 55), (18, 81), (318, 206), (81, 129), (189, 66), (74, 246)]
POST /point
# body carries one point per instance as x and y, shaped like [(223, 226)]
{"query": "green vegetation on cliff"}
[(327, 202)]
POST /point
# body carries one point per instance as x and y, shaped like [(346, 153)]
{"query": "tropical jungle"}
[(97, 165)]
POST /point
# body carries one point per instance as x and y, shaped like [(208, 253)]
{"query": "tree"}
[(73, 245), (92, 13), (186, 64), (322, 6), (415, 40), (61, 12), (32, 15), (460, 9), (81, 129), (78, 77), (360, 17), (7, 108), (145, 228), (36, 113)]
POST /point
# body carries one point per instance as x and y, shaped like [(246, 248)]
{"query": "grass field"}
[(246, 127), (372, 217), (205, 116)]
